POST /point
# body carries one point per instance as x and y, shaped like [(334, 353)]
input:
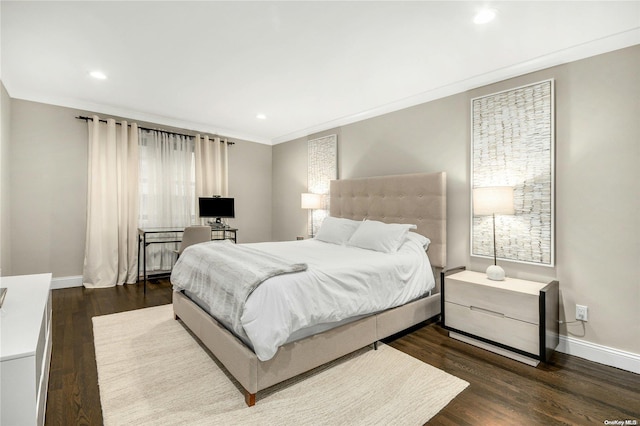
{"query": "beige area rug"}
[(152, 371)]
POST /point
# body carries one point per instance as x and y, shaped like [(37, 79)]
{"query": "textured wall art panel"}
[(321, 169), (513, 145)]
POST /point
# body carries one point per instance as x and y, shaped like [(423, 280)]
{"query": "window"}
[(166, 188)]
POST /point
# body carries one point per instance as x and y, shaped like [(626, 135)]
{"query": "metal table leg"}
[(144, 261)]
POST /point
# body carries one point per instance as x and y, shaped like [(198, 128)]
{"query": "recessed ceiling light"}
[(261, 117), (484, 16), (98, 75)]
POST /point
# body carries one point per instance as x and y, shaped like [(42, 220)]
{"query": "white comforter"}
[(340, 283)]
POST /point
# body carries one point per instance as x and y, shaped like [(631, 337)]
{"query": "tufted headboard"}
[(419, 198)]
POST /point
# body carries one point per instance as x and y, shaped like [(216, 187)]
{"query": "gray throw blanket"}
[(222, 275)]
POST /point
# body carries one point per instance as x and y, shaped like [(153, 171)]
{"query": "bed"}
[(418, 199)]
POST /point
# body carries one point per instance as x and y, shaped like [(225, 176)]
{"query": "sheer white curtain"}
[(167, 189), (112, 210), (212, 163)]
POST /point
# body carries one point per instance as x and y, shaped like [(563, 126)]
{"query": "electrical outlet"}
[(581, 313)]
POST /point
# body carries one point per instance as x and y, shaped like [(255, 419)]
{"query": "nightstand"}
[(515, 318)]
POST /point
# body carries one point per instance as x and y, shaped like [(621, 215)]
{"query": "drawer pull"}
[(487, 311)]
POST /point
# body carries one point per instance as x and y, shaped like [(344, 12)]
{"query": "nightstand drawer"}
[(493, 326), (494, 297)]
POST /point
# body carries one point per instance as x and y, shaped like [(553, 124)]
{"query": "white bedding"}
[(341, 282)]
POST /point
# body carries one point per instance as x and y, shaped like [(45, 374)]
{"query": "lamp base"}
[(495, 273)]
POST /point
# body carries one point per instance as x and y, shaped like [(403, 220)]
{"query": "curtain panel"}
[(112, 207), (212, 163)]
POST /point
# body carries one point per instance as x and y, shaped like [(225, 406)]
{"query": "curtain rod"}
[(81, 117)]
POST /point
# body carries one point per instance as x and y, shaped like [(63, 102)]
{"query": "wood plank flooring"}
[(569, 390), (73, 397)]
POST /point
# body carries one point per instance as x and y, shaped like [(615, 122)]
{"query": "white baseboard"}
[(66, 282), (601, 354)]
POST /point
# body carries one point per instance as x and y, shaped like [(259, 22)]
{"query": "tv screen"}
[(216, 207)]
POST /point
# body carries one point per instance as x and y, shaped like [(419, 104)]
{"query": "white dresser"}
[(516, 318), (25, 349)]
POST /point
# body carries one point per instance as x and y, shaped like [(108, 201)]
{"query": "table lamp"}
[(493, 200), (312, 202)]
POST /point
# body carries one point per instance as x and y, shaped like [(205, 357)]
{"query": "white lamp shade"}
[(493, 200), (311, 201)]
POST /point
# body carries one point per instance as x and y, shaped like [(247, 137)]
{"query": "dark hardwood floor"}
[(73, 397), (569, 390)]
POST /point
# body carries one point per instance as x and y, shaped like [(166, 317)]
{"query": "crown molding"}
[(559, 57)]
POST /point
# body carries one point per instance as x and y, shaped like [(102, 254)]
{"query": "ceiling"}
[(307, 66)]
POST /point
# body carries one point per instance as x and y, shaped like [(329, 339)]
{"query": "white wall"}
[(597, 184)]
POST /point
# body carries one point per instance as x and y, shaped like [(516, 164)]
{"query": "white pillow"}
[(419, 239), (379, 236), (337, 230)]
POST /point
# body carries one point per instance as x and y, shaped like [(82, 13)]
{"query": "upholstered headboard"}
[(419, 198)]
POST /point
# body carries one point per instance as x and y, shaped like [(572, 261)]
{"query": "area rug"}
[(152, 371)]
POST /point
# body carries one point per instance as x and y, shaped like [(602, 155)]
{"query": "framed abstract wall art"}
[(322, 167), (512, 144)]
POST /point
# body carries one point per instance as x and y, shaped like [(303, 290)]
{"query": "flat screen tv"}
[(217, 207)]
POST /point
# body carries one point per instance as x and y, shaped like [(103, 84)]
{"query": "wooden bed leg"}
[(250, 399)]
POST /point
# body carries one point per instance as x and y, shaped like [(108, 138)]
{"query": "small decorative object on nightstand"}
[(515, 318)]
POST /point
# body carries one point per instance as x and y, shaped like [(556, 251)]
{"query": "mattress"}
[(341, 284)]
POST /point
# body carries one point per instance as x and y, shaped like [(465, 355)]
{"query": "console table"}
[(147, 236), (25, 349)]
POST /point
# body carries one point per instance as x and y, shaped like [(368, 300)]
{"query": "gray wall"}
[(5, 135), (48, 189), (597, 184), (48, 179), (250, 185), (289, 181)]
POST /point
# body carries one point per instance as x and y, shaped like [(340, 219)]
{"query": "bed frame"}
[(416, 198)]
